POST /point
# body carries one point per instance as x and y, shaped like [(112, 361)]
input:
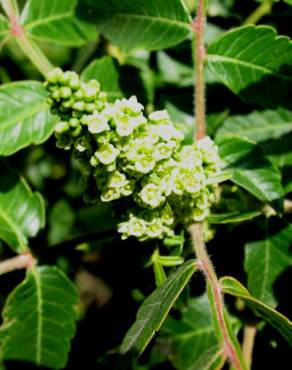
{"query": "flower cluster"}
[(129, 157)]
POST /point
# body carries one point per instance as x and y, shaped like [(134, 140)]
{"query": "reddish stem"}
[(198, 26), (23, 261)]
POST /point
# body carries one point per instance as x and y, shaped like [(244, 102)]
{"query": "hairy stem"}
[(249, 334), (262, 10), (199, 58), (30, 49), (23, 261), (205, 265)]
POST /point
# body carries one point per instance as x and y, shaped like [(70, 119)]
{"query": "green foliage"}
[(55, 21), (155, 308), (25, 116), (39, 319), (265, 260), (250, 169), (254, 62), (21, 210), (139, 165), (279, 322), (131, 24), (258, 126), (191, 337), (104, 70)]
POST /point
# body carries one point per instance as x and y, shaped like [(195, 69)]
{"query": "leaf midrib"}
[(152, 18), (39, 318), (42, 21), (224, 58)]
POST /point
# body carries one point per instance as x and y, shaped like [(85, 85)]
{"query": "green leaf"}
[(189, 337), (228, 337), (274, 318), (21, 211), (212, 359), (174, 72), (39, 319), (250, 169), (288, 2), (231, 217), (147, 24), (105, 72), (155, 308), (25, 116), (4, 27), (54, 21), (258, 126), (254, 63), (265, 260)]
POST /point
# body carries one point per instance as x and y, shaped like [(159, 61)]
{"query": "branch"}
[(199, 58), (23, 261), (30, 49), (205, 265)]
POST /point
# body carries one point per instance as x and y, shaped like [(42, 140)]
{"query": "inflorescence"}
[(129, 157)]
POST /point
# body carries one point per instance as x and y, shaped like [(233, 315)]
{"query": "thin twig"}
[(262, 10), (249, 333), (22, 261)]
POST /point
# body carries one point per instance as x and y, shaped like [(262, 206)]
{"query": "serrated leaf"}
[(21, 210), (105, 72), (258, 126), (190, 336), (265, 260), (25, 116), (254, 63), (155, 308), (250, 169), (39, 319), (274, 318), (212, 359), (55, 21), (4, 27), (147, 24), (232, 217)]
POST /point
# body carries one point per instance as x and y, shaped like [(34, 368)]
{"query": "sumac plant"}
[(145, 193)]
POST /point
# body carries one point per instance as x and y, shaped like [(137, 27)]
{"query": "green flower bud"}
[(62, 126)]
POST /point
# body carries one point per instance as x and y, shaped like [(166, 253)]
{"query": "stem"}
[(262, 10), (205, 265), (199, 58), (249, 334), (23, 261), (30, 49)]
